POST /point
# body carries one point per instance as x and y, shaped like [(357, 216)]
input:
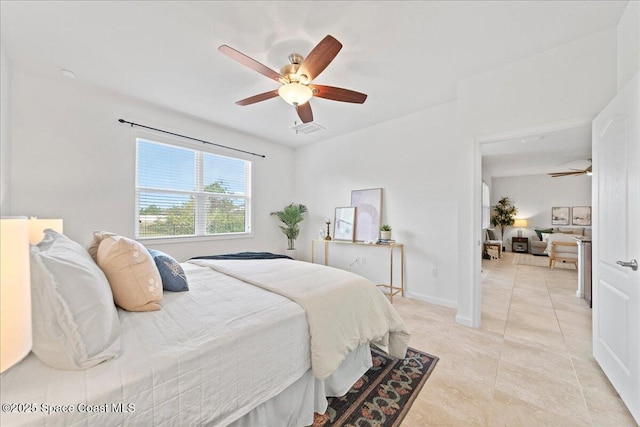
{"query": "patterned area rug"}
[(383, 395), (540, 261)]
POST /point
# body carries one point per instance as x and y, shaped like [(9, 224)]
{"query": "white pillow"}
[(75, 323), (545, 237)]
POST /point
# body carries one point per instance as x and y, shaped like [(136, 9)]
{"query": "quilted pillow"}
[(172, 274), (539, 232), (132, 274), (75, 324)]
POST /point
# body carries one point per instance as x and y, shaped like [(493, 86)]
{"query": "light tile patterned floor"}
[(529, 364)]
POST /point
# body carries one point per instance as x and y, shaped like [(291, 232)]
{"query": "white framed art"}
[(345, 224), (368, 213)]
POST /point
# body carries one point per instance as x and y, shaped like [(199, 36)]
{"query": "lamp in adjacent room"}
[(37, 227), (520, 224), (15, 292)]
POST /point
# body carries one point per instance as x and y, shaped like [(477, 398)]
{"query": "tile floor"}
[(529, 364)]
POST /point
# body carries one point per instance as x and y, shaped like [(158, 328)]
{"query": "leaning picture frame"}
[(369, 213), (581, 215), (560, 216), (344, 225)]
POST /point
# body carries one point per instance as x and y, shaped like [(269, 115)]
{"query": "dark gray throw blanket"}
[(244, 255)]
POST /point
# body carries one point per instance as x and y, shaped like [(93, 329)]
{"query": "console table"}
[(389, 289)]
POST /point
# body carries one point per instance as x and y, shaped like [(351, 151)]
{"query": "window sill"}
[(191, 239)]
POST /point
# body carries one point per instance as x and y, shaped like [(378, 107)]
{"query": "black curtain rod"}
[(188, 137)]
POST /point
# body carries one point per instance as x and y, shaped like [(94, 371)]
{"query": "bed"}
[(227, 352)]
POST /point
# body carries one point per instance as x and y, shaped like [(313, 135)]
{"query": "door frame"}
[(476, 262)]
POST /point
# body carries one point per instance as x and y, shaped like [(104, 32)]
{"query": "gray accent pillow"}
[(75, 322), (491, 234)]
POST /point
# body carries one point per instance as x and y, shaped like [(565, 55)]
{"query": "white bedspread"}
[(197, 361), (343, 309)]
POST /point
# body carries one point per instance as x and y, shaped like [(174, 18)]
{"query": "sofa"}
[(539, 246)]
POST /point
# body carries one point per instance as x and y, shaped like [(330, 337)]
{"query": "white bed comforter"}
[(206, 358), (343, 309)]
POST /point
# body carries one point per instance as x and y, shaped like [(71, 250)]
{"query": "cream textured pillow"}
[(75, 324), (131, 271)]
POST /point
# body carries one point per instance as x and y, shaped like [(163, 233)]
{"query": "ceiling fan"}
[(296, 77), (573, 172)]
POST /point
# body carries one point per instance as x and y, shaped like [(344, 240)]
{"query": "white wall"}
[(628, 43), (71, 159), (413, 159), (5, 133), (570, 82), (535, 195)]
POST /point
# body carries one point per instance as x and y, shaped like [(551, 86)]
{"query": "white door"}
[(616, 241)]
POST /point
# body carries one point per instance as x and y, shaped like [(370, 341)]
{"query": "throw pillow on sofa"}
[(546, 230)]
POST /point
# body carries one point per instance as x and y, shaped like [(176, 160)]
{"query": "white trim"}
[(465, 321), (190, 239), (432, 300)]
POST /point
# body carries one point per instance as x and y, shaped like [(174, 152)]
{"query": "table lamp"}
[(37, 227), (15, 292), (520, 224)]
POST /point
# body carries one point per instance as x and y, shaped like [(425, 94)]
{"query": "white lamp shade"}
[(15, 292), (521, 223), (295, 93), (37, 227)]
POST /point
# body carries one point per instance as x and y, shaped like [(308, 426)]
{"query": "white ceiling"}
[(406, 56), (557, 151)]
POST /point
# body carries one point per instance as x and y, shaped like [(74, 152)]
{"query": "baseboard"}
[(465, 321), (432, 300)]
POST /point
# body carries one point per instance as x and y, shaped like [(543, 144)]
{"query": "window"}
[(486, 206), (185, 192)]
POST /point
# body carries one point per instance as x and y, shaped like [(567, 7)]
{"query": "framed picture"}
[(581, 215), (560, 216), (345, 224), (368, 213)]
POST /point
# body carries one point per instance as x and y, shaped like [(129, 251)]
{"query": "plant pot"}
[(385, 235), (292, 253)]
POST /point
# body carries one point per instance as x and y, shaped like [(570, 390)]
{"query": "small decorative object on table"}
[(328, 236), (385, 233)]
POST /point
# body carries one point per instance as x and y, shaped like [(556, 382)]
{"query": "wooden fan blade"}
[(319, 58), (338, 94), (258, 98), (558, 174), (304, 112), (250, 62)]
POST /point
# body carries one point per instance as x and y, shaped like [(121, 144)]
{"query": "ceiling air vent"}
[(306, 128)]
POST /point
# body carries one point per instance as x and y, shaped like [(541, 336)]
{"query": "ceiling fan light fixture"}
[(295, 93)]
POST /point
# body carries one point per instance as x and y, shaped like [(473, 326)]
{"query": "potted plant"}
[(291, 216), (504, 215), (385, 232)]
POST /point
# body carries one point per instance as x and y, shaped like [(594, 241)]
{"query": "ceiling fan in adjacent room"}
[(572, 172), (296, 77)]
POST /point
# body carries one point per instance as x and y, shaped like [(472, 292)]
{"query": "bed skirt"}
[(294, 407)]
